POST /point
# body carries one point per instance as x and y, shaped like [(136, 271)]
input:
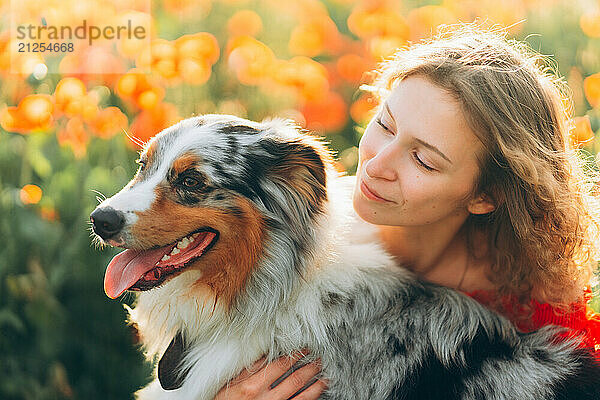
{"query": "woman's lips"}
[(370, 194)]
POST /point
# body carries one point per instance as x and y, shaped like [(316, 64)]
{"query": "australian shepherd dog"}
[(240, 241)]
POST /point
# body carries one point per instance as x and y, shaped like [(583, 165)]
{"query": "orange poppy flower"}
[(367, 22), (194, 71), (37, 110), (75, 136), (312, 37), (326, 114), (582, 133), (308, 77), (250, 59), (68, 90), (30, 194), (201, 45), (244, 22), (140, 89), (351, 67), (49, 213), (34, 112), (11, 121), (384, 46), (109, 122), (591, 87), (363, 109), (149, 122)]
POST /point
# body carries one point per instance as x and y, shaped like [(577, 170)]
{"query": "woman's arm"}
[(282, 379)]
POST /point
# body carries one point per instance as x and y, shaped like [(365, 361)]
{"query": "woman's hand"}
[(283, 379)]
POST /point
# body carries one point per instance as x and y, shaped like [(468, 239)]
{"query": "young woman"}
[(468, 174)]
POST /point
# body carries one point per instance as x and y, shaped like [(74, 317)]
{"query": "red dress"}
[(581, 320)]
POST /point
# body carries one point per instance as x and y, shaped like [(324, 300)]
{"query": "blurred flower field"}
[(63, 138)]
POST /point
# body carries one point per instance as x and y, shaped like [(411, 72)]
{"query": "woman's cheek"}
[(416, 188)]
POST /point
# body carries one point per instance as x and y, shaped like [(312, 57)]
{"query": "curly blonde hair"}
[(543, 236)]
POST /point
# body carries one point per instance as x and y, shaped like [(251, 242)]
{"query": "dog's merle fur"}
[(321, 281)]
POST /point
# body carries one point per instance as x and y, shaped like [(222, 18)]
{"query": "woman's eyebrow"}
[(429, 146)]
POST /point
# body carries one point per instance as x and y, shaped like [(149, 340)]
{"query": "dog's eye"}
[(190, 182), (141, 163)]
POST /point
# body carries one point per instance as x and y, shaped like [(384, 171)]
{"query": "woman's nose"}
[(381, 165)]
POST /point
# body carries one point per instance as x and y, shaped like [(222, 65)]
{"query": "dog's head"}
[(208, 194)]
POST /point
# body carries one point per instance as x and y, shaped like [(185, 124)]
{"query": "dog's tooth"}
[(190, 238), (183, 243), (175, 251), (165, 257)]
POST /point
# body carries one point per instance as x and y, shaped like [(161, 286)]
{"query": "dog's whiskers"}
[(139, 142), (101, 197)]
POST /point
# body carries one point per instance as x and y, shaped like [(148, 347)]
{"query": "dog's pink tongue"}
[(127, 267)]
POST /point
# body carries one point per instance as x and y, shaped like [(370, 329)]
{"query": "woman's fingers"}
[(262, 374), (280, 368), (287, 369), (313, 391), (296, 382), (284, 378)]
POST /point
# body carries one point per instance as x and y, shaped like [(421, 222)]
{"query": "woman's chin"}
[(364, 210)]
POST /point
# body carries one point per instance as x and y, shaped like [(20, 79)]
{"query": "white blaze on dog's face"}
[(193, 202)]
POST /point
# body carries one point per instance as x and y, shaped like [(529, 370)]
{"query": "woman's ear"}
[(482, 204)]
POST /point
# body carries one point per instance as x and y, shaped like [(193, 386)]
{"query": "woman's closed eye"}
[(414, 154), (380, 123), (420, 162)]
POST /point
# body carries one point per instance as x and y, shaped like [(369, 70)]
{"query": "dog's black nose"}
[(107, 221)]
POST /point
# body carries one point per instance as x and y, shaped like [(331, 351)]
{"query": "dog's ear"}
[(299, 159), (300, 162)]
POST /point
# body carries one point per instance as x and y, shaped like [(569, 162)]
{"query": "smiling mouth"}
[(370, 194), (140, 270)]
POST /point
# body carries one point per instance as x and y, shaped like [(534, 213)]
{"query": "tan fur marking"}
[(228, 264), (184, 162)]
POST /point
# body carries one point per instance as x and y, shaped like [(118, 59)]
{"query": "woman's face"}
[(417, 159)]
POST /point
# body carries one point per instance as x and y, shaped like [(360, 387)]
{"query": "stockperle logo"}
[(99, 36), (90, 33)]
